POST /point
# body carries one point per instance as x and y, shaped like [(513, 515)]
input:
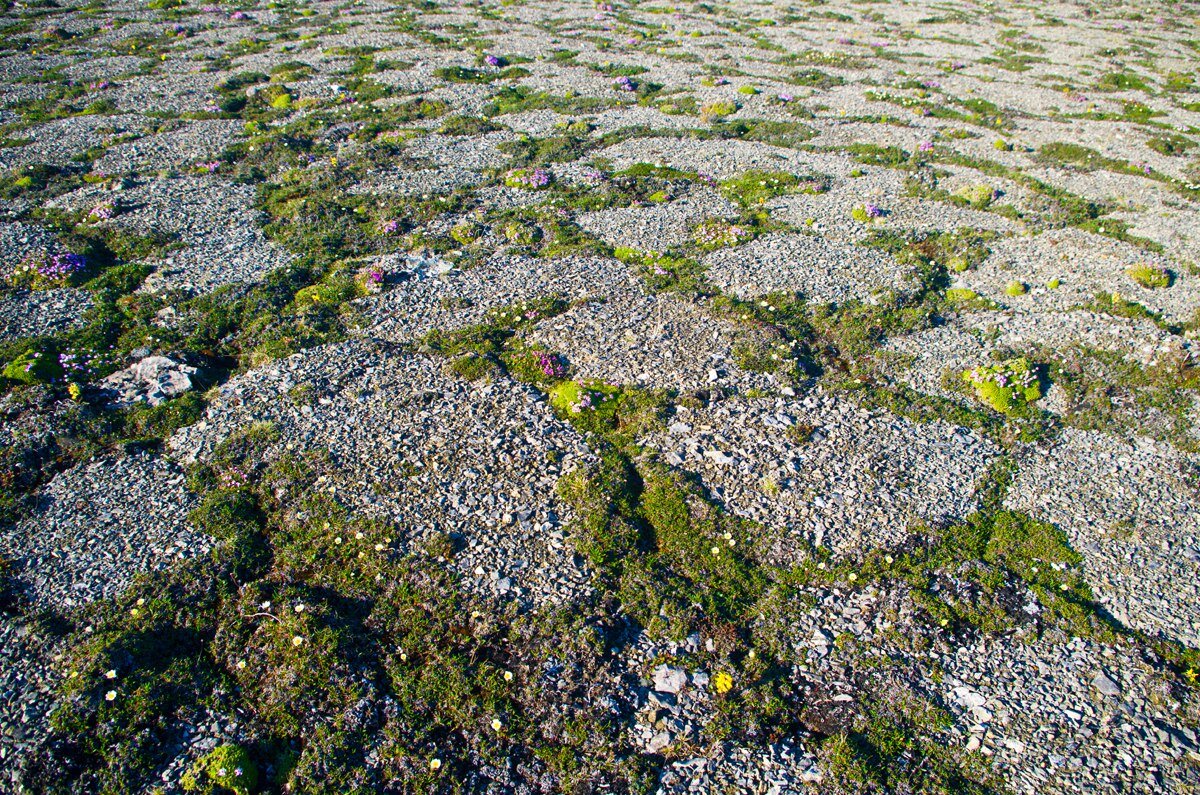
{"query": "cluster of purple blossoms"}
[(239, 15), (931, 84), (61, 266), (551, 365), (390, 227), (527, 178), (75, 365), (210, 167), (585, 402), (594, 176), (493, 60), (925, 146), (375, 276), (232, 478), (785, 97), (873, 210), (99, 85), (625, 83), (102, 212), (179, 30), (716, 234)]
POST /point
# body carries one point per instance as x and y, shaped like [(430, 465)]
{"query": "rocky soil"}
[(599, 397)]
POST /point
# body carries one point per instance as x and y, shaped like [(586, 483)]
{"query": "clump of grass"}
[(978, 196), (1152, 277), (1015, 288), (717, 110), (962, 298), (755, 187)]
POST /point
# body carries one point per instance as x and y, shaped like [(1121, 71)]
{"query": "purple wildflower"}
[(239, 15), (101, 212), (624, 83), (785, 97), (391, 227), (492, 60), (873, 211), (61, 266), (925, 146), (532, 178), (585, 402), (594, 176), (551, 365)]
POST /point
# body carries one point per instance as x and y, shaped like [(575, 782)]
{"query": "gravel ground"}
[(38, 313), (1130, 508), (1086, 265), (924, 359), (861, 480), (654, 341), (57, 142), (459, 458), (188, 146), (452, 299), (1057, 717), (213, 219), (658, 227), (97, 525), (823, 271), (19, 241), (1050, 133)]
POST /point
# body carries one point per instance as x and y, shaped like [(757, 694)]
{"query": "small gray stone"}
[(1105, 685), (669, 680)]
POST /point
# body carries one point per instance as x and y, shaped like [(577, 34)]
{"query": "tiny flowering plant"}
[(1007, 386), (528, 178), (551, 365), (587, 400), (625, 83), (865, 213), (232, 478), (714, 233), (103, 211), (45, 271), (370, 280)]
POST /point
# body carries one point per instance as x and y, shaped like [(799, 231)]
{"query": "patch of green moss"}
[(226, 768), (1008, 386), (1151, 277), (34, 366), (755, 187)]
